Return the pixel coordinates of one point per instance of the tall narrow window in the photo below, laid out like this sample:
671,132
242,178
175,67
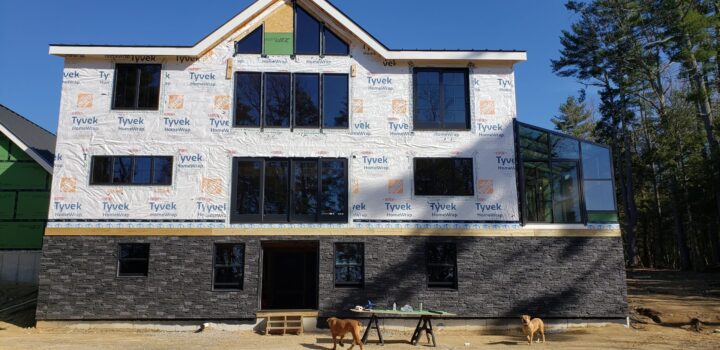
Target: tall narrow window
335,101
307,100
538,193
443,177
248,187
349,264
441,99
566,193
137,86
441,265
251,43
277,100
228,266
276,190
133,259
248,92
307,33
598,183
305,190
334,190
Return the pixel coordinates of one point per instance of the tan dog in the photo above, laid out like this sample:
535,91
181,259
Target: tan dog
339,327
531,326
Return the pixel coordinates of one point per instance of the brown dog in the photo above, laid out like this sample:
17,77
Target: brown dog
531,326
339,327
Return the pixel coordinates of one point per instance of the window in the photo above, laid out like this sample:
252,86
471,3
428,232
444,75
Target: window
313,37
598,183
441,265
133,259
228,266
247,98
349,264
131,170
335,101
137,86
289,190
251,43
441,99
307,100
553,181
279,100
443,177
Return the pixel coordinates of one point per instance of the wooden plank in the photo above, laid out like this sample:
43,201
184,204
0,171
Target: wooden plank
330,231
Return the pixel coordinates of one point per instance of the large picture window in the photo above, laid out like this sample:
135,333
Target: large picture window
564,180
349,264
228,266
441,265
289,190
131,170
443,176
284,100
313,38
137,86
441,99
133,259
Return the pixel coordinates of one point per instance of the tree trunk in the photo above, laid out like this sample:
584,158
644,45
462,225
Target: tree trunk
680,241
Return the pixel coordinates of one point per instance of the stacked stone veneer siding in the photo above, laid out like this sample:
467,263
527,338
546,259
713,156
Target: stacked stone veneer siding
497,277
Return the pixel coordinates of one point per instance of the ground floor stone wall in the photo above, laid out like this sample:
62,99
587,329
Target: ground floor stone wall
552,277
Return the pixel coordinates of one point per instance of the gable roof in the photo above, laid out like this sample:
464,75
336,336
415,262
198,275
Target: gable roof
37,142
222,32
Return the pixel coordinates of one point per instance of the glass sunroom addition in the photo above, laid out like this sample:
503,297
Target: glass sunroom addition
564,180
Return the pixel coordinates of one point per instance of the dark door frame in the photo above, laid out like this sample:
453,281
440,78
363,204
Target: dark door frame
270,243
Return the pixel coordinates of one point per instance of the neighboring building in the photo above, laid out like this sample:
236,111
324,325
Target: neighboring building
289,160
26,163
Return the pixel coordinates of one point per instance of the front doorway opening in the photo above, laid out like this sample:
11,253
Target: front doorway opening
289,275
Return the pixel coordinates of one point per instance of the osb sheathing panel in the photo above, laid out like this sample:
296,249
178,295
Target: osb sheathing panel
54,231
280,20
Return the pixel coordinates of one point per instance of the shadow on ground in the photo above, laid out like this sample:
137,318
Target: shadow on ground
17,304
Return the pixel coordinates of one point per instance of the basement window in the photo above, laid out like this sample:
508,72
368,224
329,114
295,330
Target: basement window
228,266
137,86
285,100
443,177
441,99
131,170
313,38
251,43
441,265
564,179
275,190
349,264
133,259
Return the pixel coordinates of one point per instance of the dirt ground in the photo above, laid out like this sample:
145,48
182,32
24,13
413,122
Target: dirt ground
669,310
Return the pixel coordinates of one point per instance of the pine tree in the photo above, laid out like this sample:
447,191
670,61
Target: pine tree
575,119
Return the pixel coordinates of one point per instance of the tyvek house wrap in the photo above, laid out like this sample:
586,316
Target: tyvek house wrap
194,125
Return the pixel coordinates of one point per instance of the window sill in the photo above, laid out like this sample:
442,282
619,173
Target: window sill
541,226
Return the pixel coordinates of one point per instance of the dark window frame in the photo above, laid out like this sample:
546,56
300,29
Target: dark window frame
468,113
472,162
360,284
290,216
261,28
292,126
441,285
137,88
520,173
152,182
119,274
321,36
215,265
291,100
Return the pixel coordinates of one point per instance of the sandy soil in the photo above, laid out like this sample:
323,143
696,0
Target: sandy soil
674,299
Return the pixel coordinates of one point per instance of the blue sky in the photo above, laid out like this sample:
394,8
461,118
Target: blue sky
30,79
